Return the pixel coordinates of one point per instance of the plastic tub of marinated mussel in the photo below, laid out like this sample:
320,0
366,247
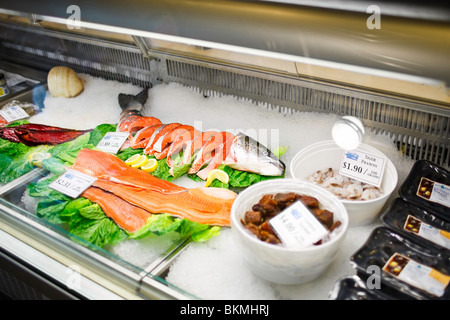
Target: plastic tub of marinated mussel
289,230
405,268
418,224
363,188
428,185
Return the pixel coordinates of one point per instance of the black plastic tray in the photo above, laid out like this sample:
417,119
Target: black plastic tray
381,245
426,169
354,288
397,213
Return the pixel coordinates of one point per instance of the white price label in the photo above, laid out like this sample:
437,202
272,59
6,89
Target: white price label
72,183
363,167
13,113
112,141
297,226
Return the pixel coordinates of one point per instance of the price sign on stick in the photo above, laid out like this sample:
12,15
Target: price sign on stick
297,226
112,141
13,113
72,183
363,166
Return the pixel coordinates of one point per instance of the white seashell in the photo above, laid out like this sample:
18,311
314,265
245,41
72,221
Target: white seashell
64,82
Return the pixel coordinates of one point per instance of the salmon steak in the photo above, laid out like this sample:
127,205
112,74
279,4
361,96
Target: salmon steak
203,151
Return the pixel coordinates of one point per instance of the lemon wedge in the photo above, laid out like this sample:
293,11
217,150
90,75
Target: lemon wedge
150,166
218,174
133,159
36,158
140,162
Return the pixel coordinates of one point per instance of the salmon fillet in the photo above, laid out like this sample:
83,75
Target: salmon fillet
129,217
106,166
210,206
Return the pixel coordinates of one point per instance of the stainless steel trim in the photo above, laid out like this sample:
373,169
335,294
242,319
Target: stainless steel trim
84,286
317,35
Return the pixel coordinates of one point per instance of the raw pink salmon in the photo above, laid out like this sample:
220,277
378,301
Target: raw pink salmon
142,137
214,144
125,123
107,166
179,143
160,132
168,137
129,217
210,206
220,155
195,145
140,123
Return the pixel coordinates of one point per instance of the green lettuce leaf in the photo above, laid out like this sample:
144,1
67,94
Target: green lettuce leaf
160,224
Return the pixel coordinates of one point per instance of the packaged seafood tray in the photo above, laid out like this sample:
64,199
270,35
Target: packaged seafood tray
355,288
405,268
428,185
416,223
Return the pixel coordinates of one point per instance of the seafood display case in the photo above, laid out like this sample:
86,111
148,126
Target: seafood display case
270,76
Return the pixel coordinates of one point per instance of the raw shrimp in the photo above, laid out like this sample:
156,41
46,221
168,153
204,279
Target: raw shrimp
344,187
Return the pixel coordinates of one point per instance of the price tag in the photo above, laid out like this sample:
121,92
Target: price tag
112,141
72,183
363,167
13,113
297,226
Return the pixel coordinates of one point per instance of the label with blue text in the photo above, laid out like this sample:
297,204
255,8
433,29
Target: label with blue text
362,166
297,226
112,141
72,183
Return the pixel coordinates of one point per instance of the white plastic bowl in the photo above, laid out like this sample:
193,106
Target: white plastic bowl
326,154
276,263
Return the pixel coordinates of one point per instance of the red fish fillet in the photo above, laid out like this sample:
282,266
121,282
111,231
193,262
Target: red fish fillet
207,151
127,216
160,132
203,205
37,134
107,166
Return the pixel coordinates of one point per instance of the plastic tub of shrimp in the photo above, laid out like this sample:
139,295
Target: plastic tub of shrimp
320,163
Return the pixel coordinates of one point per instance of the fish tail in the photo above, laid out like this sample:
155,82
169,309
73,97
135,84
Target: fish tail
126,99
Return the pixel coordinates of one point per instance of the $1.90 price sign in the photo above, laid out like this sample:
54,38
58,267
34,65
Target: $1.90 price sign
362,166
72,183
112,141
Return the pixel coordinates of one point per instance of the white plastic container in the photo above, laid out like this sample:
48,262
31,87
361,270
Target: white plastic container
326,154
276,263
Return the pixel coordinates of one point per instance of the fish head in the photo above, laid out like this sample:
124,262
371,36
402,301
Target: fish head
247,154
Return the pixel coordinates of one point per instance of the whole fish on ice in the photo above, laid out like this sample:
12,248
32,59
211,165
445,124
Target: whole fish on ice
247,154
207,150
